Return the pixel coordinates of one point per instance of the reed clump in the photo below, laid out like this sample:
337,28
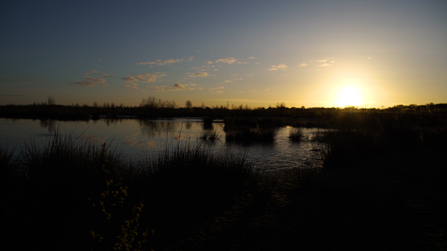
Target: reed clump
210,135
296,134
96,198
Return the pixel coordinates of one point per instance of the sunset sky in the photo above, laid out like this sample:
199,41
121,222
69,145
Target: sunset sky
259,53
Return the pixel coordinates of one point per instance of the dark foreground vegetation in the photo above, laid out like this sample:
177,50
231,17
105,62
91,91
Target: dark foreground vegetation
381,187
79,195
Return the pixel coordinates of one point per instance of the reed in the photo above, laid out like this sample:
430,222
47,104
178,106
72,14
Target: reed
87,189
210,135
296,134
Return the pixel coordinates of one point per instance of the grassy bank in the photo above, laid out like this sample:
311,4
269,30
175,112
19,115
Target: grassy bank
82,195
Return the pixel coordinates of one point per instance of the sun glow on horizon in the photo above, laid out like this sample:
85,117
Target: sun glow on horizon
349,96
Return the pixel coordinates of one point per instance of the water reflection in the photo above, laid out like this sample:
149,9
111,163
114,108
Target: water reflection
138,137
49,124
153,128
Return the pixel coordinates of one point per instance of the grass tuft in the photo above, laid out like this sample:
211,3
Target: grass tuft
295,134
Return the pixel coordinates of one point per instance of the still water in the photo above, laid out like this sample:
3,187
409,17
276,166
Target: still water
137,139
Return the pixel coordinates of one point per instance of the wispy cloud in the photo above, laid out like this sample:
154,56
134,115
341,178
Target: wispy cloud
132,85
97,73
279,66
91,82
159,62
144,78
303,65
190,59
158,88
91,72
232,79
176,87
251,58
215,90
195,75
229,60
325,62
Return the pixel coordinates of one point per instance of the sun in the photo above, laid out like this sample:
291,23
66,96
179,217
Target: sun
349,96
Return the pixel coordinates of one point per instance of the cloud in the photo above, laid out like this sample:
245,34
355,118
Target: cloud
144,78
210,62
214,69
279,66
158,88
321,61
91,82
132,85
178,87
251,58
303,65
324,65
101,74
200,74
91,72
216,88
190,58
232,79
159,62
229,60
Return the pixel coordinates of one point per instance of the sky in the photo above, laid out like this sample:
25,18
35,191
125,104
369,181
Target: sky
256,53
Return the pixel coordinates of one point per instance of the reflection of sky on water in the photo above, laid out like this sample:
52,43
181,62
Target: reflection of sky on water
137,138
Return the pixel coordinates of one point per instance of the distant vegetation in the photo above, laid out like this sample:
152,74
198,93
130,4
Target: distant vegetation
152,108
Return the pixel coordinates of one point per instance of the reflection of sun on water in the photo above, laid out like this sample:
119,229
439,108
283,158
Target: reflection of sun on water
349,96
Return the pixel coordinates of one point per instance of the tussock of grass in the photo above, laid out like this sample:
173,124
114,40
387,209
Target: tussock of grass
62,183
295,134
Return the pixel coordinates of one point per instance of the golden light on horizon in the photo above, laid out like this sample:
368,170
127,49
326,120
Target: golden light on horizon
349,96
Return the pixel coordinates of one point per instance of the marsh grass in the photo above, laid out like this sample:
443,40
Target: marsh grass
296,134
210,135
62,183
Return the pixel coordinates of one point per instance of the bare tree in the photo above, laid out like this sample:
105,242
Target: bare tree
188,104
